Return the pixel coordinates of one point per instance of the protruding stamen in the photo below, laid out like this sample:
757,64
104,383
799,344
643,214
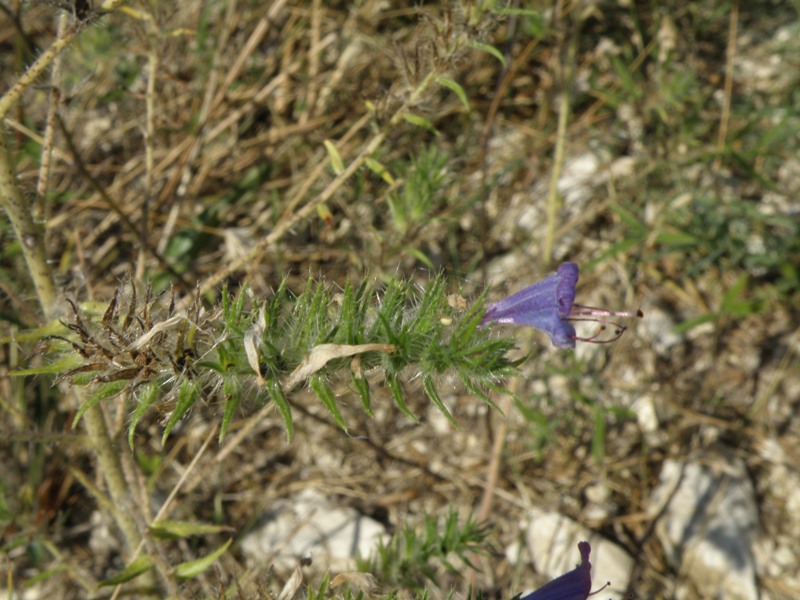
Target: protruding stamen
599,315
608,584
619,329
592,311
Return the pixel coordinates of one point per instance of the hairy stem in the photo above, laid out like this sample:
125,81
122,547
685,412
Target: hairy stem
30,237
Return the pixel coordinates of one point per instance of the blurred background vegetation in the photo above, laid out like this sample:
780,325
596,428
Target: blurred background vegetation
236,142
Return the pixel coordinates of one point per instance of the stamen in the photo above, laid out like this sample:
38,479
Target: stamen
619,329
608,584
599,315
592,311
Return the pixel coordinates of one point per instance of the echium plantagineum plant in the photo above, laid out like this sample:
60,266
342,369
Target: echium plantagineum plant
549,305
263,349
163,361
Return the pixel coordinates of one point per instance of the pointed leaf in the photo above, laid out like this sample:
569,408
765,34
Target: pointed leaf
187,396
62,365
232,391
278,397
362,388
326,395
174,530
324,213
421,257
133,570
397,394
420,122
433,396
633,222
104,391
145,398
381,171
456,87
488,49
336,158
34,335
193,568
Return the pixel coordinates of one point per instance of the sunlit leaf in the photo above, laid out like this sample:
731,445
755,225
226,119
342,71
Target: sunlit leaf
456,87
488,49
133,570
336,159
193,568
173,530
420,122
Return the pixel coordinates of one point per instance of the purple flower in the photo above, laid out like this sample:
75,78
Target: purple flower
575,585
549,305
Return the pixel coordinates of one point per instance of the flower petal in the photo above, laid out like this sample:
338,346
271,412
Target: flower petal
542,305
565,290
575,585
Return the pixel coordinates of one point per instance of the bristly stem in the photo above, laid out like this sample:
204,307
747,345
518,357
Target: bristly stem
31,238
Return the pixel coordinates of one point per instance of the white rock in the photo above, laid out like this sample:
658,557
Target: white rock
660,328
709,525
310,525
552,541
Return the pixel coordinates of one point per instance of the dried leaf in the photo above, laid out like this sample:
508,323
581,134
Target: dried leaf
322,354
292,585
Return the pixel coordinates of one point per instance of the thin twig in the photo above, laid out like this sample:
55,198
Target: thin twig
287,222
313,61
153,60
564,107
730,55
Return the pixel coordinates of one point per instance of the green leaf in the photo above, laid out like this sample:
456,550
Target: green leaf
145,397
34,335
694,322
233,393
62,365
488,49
279,398
676,239
625,78
362,388
599,435
325,394
433,395
133,570
397,394
104,391
381,171
336,159
174,530
193,568
632,221
734,303
187,396
420,122
420,256
456,87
